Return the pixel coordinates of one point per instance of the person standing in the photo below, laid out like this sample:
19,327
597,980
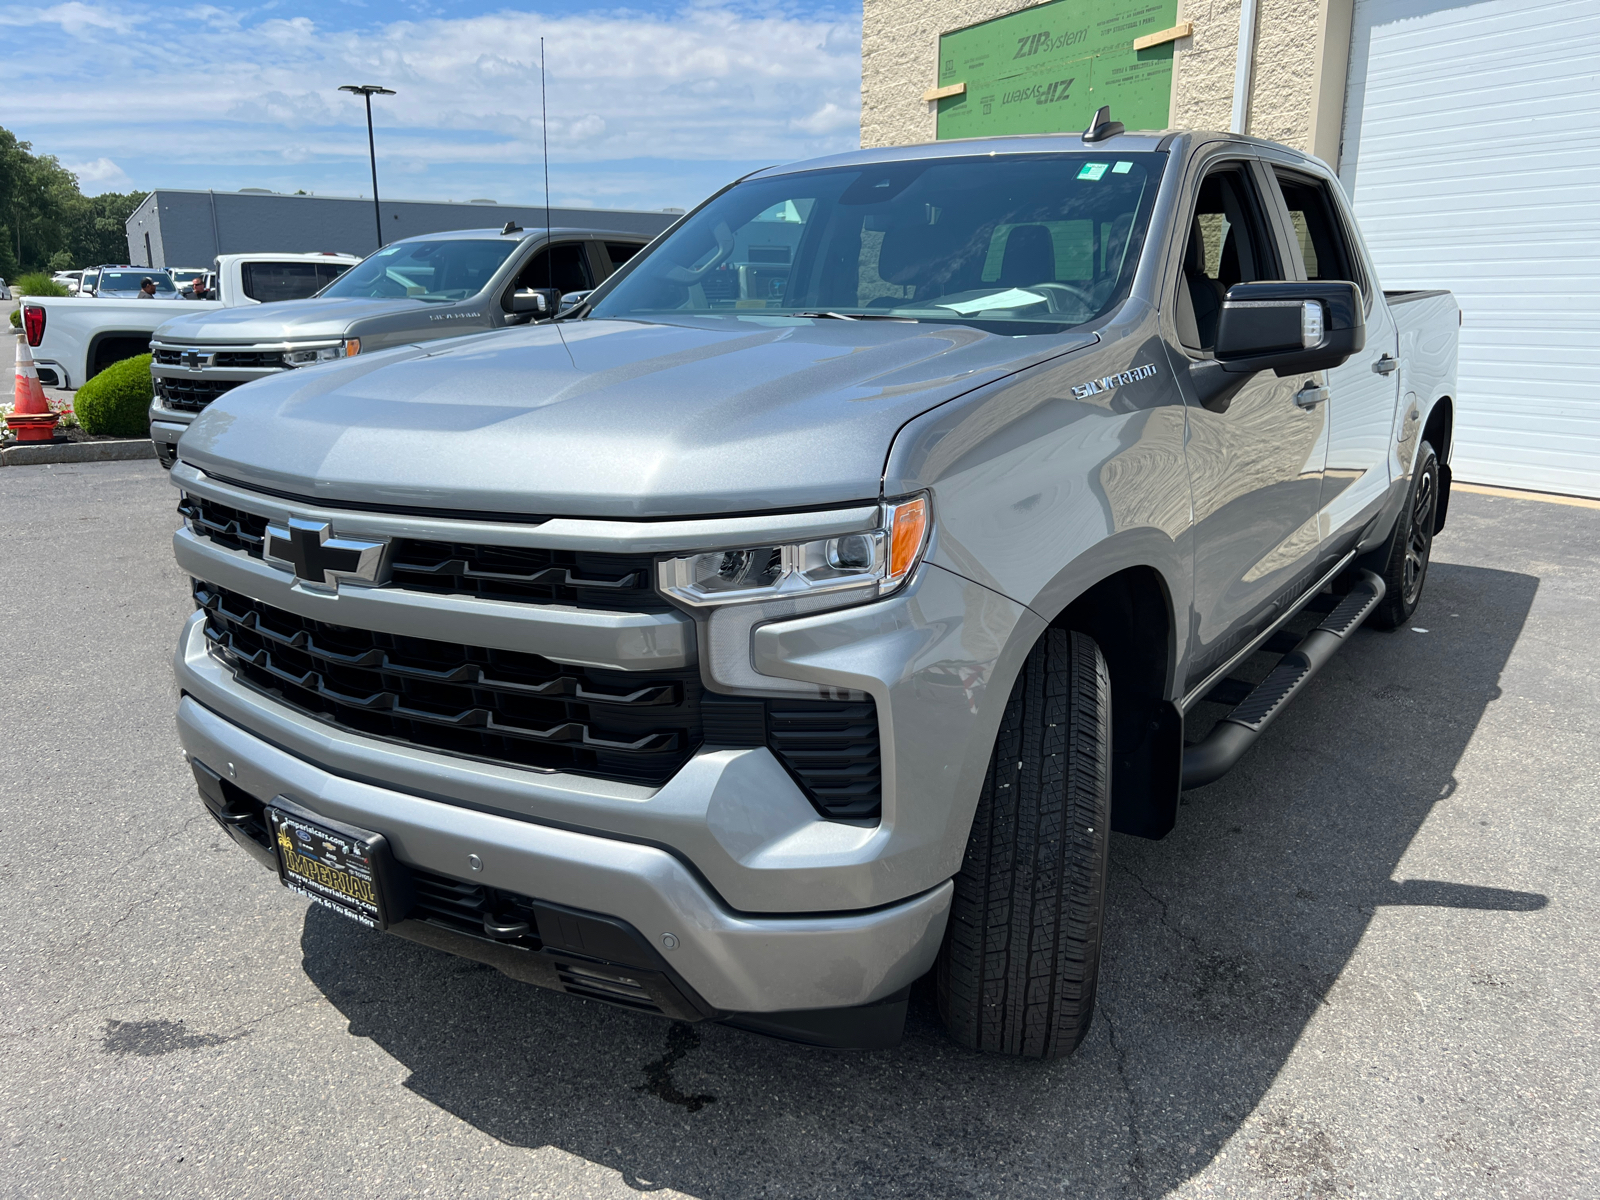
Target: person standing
147,289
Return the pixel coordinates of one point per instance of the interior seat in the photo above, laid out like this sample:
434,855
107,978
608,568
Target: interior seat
1203,293
1030,257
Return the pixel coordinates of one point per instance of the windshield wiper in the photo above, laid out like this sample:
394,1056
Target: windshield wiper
838,316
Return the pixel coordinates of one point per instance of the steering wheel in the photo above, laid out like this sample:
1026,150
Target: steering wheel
688,276
1053,299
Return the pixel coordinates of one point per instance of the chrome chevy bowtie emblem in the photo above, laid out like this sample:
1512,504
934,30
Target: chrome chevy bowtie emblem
309,549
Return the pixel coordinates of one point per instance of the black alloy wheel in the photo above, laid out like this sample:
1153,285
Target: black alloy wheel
1411,545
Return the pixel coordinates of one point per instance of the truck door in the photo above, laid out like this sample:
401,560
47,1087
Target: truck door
1362,392
1255,460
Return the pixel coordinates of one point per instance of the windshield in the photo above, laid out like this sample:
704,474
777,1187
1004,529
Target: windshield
184,277
1032,243
434,271
130,281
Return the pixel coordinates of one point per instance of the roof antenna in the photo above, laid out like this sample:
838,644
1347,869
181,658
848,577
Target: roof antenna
1102,127
512,227
544,134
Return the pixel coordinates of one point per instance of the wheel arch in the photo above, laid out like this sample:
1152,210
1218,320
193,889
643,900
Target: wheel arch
105,338
1127,592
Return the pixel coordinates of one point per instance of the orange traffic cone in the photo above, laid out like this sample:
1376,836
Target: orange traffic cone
31,418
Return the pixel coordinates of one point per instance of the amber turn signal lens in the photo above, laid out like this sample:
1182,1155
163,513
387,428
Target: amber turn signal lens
908,530
352,347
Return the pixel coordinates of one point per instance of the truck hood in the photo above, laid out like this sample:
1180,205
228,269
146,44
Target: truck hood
285,320
607,418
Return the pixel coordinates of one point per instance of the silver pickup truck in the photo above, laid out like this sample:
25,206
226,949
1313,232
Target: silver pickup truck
438,285
803,612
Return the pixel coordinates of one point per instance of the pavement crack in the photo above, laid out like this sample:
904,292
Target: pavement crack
1165,913
1136,1165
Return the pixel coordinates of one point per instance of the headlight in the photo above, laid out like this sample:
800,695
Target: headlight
321,354
873,563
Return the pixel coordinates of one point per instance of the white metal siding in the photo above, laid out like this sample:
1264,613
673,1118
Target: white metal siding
1472,154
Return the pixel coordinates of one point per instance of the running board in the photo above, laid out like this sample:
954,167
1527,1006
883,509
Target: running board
1207,761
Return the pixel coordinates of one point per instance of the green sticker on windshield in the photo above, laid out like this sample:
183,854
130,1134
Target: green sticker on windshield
1093,170
1122,168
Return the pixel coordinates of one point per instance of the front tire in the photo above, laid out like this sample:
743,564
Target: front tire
1021,955
1411,546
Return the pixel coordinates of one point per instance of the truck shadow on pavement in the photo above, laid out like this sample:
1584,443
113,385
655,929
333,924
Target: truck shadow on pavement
1223,941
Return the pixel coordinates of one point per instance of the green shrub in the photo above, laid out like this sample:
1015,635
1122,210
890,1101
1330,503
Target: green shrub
16,318
37,283
117,401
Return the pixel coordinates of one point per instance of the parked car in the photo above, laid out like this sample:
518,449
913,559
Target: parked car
125,283
421,289
5,291
69,280
183,277
801,612
78,338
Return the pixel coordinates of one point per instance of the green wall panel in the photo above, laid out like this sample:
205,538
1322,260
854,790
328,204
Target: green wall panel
1047,69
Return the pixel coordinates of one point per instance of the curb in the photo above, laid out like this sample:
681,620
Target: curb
78,452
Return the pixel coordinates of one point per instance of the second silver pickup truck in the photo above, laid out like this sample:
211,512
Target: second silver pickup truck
803,612
438,285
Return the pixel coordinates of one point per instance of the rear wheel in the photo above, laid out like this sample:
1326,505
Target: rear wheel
1021,954
1411,546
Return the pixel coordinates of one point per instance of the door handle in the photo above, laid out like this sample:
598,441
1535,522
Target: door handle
1387,365
1311,395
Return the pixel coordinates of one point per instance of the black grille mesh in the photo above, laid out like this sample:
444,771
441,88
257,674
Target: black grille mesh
191,395
494,704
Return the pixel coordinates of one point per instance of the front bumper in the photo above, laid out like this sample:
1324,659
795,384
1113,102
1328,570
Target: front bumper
734,962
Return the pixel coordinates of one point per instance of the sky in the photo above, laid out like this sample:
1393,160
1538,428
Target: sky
651,104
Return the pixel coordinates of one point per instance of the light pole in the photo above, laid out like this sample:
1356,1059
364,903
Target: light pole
367,91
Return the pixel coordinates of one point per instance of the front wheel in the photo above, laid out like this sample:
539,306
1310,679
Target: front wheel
1021,955
1411,546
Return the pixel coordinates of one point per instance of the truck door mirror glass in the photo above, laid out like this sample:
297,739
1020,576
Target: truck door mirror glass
573,299
1289,327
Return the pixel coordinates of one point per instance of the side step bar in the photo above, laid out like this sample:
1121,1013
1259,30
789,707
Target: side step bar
1208,761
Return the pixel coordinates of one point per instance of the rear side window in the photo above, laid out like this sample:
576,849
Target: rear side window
271,281
1319,233
621,252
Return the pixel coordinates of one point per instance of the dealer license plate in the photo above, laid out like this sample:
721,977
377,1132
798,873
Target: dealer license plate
334,865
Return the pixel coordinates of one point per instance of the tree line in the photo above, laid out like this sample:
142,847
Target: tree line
47,224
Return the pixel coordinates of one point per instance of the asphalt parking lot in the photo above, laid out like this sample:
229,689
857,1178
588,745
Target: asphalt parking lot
1363,965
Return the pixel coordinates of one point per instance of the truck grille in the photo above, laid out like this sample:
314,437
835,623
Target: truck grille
494,704
261,360
615,582
191,395
524,710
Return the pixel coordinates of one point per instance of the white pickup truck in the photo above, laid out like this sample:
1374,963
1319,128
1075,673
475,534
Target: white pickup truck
74,339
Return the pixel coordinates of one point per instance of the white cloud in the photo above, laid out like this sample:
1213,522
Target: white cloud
710,82
73,18
101,175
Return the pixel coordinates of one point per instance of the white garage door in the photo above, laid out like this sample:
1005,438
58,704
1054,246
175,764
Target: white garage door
1472,152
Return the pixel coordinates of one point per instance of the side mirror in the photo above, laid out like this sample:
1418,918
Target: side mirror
536,302
1289,328
573,299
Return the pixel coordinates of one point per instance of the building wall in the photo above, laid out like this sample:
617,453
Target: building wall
189,229
1297,91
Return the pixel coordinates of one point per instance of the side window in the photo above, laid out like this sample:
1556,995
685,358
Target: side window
621,252
1227,244
272,281
1324,248
564,266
